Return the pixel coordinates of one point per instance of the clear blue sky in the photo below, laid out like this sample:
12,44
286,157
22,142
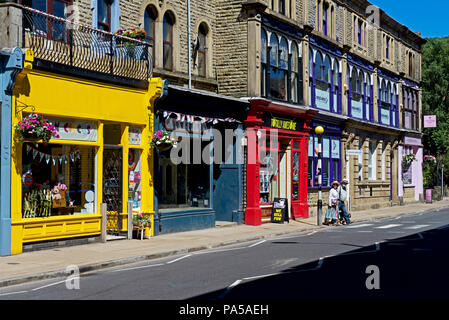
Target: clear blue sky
428,17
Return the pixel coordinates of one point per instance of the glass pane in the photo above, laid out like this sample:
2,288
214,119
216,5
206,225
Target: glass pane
318,67
263,48
325,165
294,87
57,180
59,9
327,69
335,167
268,178
103,11
40,5
274,50
112,134
134,178
294,60
309,173
167,57
168,29
335,151
325,147
201,63
278,84
283,63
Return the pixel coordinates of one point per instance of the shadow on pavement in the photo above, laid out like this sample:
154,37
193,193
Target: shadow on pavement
412,267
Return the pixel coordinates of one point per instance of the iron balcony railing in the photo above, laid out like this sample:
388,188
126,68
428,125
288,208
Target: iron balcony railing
61,41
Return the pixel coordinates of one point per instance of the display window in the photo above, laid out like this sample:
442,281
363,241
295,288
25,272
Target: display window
184,185
330,162
134,178
58,179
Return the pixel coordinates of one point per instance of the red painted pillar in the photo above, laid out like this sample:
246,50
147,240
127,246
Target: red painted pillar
253,213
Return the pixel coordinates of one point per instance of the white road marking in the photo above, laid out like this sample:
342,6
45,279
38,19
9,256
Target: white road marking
183,257
141,267
388,226
11,293
360,225
53,284
418,226
255,244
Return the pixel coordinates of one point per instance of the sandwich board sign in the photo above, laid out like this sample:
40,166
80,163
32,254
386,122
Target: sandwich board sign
279,213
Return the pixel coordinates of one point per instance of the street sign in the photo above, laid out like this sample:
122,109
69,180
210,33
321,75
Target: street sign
353,152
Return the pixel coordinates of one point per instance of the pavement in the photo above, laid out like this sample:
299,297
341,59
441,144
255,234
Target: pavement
51,263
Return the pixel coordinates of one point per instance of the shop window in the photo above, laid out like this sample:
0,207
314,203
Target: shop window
269,178
134,178
184,185
58,180
330,160
407,168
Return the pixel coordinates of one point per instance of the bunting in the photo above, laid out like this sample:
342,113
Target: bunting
36,154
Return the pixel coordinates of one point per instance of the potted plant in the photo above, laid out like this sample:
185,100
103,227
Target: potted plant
141,221
163,141
35,126
132,33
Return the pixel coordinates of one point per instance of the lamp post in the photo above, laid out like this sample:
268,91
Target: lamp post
319,131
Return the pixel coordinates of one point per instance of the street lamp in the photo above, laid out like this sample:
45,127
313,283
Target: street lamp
319,131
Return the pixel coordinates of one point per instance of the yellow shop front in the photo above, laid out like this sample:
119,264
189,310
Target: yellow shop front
101,154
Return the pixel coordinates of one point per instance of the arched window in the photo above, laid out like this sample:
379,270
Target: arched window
325,18
149,21
168,24
281,67
359,105
388,103
202,47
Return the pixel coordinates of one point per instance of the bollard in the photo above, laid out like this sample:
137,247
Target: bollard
104,222
130,220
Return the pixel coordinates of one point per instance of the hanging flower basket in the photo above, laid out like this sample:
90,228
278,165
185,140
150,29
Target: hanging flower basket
431,159
409,158
35,127
163,141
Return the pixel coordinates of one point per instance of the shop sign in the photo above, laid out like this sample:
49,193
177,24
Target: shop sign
75,129
279,122
322,98
430,121
412,141
134,135
354,152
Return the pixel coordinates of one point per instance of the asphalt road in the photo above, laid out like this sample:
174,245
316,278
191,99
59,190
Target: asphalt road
399,258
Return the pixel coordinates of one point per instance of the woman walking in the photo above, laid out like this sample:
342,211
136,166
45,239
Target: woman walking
331,214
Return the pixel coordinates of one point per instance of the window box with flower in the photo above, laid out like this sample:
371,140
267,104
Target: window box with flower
129,44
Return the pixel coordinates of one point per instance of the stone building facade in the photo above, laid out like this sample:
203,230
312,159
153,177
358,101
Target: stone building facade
348,60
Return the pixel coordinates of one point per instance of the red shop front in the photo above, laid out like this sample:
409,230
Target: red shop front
276,166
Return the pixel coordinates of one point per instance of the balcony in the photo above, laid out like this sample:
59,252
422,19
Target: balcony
60,45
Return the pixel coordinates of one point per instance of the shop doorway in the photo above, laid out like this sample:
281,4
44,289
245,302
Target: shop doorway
285,170
113,187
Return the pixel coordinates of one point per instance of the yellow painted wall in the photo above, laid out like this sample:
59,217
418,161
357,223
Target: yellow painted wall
64,96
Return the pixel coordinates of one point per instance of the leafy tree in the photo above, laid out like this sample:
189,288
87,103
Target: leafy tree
435,97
